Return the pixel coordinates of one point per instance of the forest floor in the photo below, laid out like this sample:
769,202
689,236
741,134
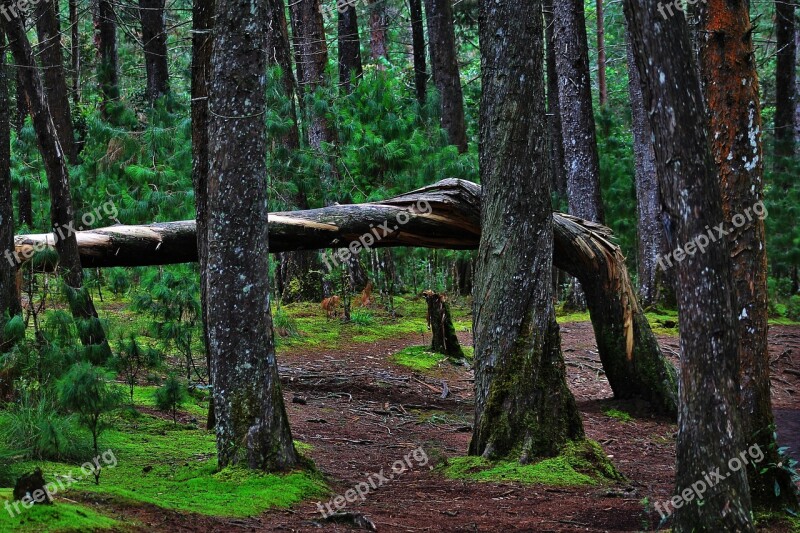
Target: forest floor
358,411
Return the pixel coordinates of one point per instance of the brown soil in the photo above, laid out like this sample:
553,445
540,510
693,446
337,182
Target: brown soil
361,413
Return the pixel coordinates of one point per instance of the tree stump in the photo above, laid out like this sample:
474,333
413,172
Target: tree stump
32,485
442,328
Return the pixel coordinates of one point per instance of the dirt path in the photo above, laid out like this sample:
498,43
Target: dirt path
361,413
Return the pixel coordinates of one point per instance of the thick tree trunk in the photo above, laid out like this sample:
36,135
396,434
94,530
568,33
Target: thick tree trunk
48,29
443,332
602,87
349,47
444,64
105,23
582,248
61,213
154,39
558,169
75,50
785,83
418,44
652,240
377,31
523,407
9,304
709,421
730,80
202,27
577,116
252,426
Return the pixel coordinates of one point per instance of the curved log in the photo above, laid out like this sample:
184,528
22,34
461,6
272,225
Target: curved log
443,215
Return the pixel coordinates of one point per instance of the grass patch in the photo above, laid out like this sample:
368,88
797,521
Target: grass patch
622,416
581,463
418,358
563,318
59,517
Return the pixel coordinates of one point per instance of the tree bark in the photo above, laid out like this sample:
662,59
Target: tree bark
709,421
252,426
577,116
730,80
25,205
785,84
444,65
584,249
202,27
558,168
9,304
602,87
154,38
652,240
105,23
75,50
523,406
377,31
279,53
418,44
349,47
61,213
48,29
443,332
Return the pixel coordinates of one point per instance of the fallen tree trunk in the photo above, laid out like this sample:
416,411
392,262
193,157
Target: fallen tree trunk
443,215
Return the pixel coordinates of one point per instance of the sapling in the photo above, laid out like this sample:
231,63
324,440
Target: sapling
170,396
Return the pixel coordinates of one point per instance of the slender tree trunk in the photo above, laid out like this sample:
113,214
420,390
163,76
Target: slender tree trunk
652,240
25,205
785,83
106,42
444,64
418,43
75,48
9,304
709,421
154,38
601,56
202,27
280,54
522,403
61,213
22,103
48,29
349,47
252,426
377,31
558,169
730,80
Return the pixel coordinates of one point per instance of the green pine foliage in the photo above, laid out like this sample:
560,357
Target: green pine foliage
171,396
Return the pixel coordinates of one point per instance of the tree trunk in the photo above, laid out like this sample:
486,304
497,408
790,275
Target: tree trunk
22,104
785,84
202,27
730,80
523,407
709,422
252,426
444,340
48,29
25,204
602,87
75,50
577,116
279,53
9,304
444,64
418,43
377,31
61,213
652,240
154,38
558,169
349,47
105,23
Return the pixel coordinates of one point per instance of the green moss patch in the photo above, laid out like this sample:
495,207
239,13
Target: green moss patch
61,517
622,416
418,358
581,463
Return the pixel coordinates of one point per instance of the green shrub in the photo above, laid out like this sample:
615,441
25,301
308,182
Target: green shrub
170,396
793,309
34,428
285,325
361,317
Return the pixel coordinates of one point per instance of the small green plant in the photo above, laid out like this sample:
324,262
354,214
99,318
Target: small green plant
35,429
132,359
285,325
85,390
793,308
622,416
362,317
170,396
